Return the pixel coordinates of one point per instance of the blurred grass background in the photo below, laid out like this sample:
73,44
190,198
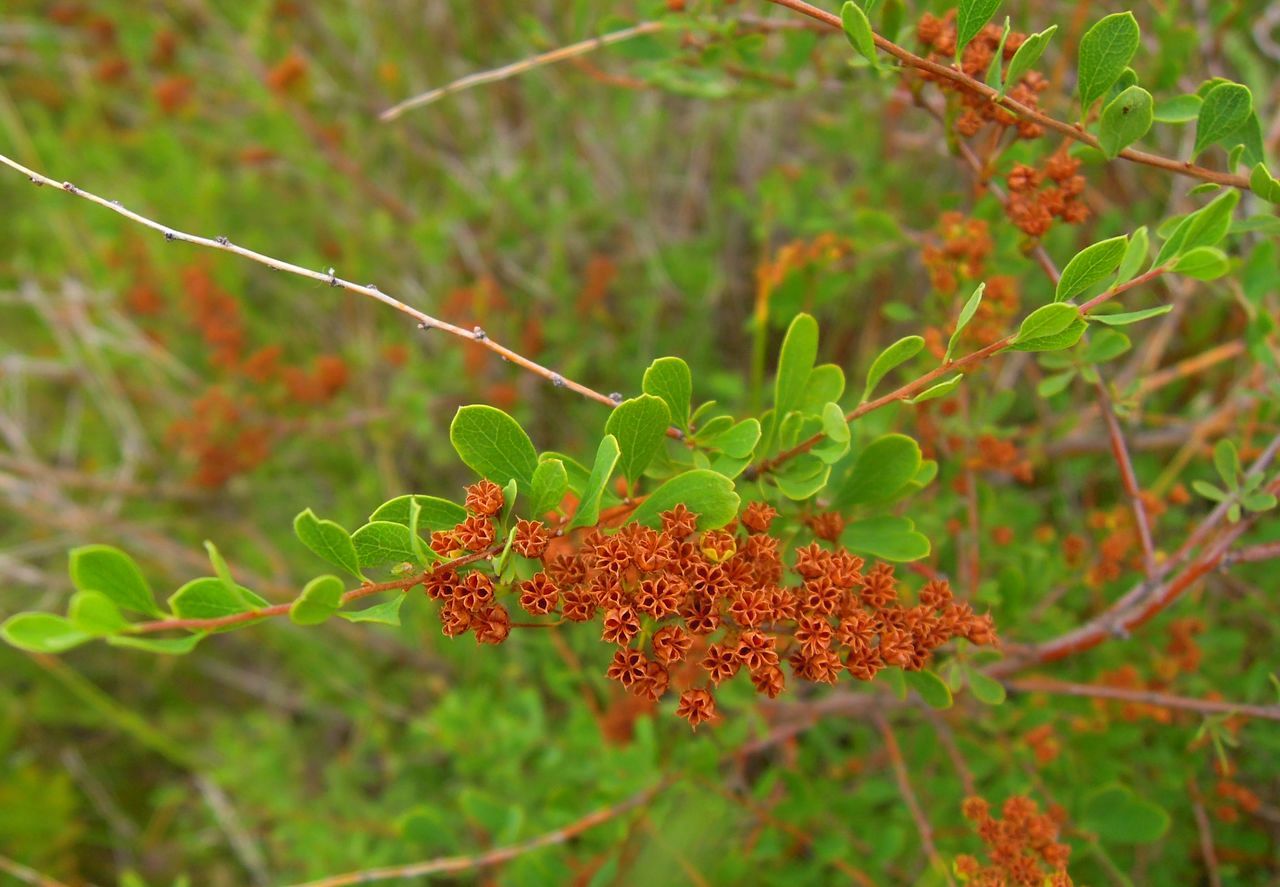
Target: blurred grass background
592,215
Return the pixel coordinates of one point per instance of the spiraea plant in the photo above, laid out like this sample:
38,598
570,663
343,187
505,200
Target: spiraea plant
820,531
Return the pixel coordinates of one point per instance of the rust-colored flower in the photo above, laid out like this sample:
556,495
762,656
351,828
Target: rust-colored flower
475,590
696,706
758,517
670,644
476,533
620,626
679,522
627,667
484,498
440,584
539,595
721,662
492,624
531,539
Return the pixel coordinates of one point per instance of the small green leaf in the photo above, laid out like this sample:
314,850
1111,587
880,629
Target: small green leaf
803,477
826,383
986,690
1115,813
795,364
1227,461
329,540
550,483
1135,255
434,513
42,633
858,29
1264,184
996,68
1259,501
966,314
738,441
1225,109
1105,51
383,543
220,567
1203,263
1209,491
1204,227
493,445
707,494
971,17
1089,266
881,470
109,570
386,613
932,689
888,538
669,379
889,359
1056,342
1179,109
208,598
165,646
320,599
589,506
1129,317
94,613
835,430
1125,119
1047,320
1106,345
1027,55
942,389
1056,384
640,427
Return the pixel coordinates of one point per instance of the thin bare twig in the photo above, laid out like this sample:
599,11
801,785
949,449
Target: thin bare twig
1206,835
27,875
425,321
1121,453
1145,697
909,795
573,50
1071,131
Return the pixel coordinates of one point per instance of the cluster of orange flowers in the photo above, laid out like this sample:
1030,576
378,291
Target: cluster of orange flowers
962,254
1037,196
700,607
938,35
1021,845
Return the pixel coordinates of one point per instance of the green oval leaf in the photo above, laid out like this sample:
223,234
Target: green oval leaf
588,512
890,359
881,470
493,445
1129,317
795,364
1125,119
550,483
1047,320
706,493
932,689
966,314
669,379
1027,55
1204,227
94,613
42,633
1057,342
209,598
858,29
329,540
1203,263
971,17
320,599
385,613
1090,265
164,646
1179,109
1225,109
640,427
888,538
1105,51
434,513
383,543
109,570
1119,816
985,689
942,389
